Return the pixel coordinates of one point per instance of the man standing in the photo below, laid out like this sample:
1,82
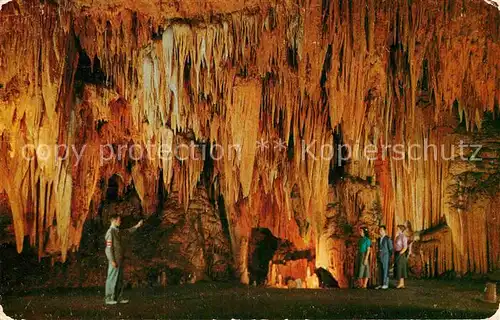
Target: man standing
114,253
385,249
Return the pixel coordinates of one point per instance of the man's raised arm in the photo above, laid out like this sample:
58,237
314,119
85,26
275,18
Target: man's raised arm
137,226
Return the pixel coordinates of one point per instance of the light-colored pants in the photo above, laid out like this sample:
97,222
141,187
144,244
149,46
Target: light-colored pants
363,269
383,264
114,283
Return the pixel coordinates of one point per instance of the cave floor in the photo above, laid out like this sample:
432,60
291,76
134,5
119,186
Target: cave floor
421,299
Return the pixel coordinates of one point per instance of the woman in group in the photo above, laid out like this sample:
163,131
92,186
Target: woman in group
410,235
363,262
400,256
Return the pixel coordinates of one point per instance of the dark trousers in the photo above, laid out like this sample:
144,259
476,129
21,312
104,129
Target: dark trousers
400,266
114,283
383,267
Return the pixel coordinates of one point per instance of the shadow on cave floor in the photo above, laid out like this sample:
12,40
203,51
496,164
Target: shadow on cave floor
421,299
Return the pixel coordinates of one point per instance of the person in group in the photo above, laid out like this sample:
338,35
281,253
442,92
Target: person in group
410,236
400,256
384,256
114,253
363,262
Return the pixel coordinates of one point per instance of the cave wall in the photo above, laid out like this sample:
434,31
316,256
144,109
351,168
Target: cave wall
174,247
294,74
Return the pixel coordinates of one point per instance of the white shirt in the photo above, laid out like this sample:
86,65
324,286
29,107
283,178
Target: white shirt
382,237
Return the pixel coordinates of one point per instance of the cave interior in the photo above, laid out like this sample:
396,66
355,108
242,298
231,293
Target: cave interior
238,130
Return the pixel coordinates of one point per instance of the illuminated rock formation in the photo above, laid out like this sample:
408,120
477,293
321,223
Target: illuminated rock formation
276,87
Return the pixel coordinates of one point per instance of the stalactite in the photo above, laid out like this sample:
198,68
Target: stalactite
33,109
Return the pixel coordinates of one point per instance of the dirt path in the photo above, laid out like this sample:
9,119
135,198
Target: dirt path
422,299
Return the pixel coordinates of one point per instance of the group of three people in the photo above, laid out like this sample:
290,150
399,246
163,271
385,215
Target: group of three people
385,249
